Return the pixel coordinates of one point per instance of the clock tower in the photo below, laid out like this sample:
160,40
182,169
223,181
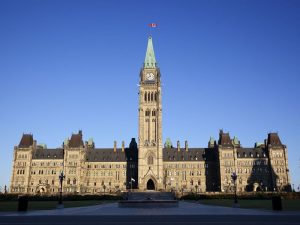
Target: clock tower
150,163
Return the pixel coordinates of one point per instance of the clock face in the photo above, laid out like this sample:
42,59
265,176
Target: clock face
150,76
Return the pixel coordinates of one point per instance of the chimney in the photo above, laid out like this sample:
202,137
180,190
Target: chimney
123,146
186,146
178,146
115,146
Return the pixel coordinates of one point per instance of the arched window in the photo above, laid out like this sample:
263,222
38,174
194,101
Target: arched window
68,181
150,160
74,181
145,97
151,96
148,96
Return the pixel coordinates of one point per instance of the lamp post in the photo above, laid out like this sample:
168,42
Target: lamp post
234,177
61,178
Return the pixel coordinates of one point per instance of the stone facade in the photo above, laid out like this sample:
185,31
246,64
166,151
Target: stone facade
147,163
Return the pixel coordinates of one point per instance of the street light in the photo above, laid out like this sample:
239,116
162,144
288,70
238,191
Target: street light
61,178
234,177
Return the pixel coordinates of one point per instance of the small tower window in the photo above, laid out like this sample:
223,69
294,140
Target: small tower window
145,96
150,160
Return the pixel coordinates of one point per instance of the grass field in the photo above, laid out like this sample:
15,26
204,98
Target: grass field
287,205
40,205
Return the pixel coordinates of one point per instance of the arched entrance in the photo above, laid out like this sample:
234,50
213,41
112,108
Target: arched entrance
150,185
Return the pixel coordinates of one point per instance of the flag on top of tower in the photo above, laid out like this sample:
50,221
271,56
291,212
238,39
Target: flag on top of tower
152,25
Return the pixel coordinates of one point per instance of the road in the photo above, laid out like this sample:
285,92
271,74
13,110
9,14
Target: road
149,220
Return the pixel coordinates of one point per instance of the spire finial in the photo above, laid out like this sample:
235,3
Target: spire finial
150,61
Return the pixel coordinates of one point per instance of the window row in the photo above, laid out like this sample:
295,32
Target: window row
178,173
150,96
252,163
47,164
253,170
256,155
148,113
106,166
22,156
104,173
189,158
41,172
183,166
21,172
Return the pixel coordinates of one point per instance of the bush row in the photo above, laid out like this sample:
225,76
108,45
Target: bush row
14,197
253,196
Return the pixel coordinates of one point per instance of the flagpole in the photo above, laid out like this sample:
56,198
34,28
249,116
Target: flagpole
151,25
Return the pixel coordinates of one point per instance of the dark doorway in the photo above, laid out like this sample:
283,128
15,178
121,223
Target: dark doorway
150,185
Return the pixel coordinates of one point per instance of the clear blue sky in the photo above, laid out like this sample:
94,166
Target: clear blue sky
70,65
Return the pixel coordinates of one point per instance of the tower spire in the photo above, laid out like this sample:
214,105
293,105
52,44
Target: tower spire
150,61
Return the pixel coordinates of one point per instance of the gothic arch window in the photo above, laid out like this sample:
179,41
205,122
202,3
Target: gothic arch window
150,160
145,96
151,96
74,181
148,96
68,182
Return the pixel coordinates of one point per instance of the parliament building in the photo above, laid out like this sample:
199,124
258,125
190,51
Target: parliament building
147,163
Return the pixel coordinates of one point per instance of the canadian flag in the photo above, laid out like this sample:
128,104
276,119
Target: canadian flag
152,25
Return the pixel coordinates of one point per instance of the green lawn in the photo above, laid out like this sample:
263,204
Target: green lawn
40,205
288,205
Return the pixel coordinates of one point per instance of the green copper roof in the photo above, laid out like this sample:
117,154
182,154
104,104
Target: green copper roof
236,140
211,140
150,61
168,143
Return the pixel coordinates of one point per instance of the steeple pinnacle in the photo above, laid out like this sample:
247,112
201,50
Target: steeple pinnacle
150,61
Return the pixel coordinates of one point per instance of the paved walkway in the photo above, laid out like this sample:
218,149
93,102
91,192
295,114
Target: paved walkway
185,208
